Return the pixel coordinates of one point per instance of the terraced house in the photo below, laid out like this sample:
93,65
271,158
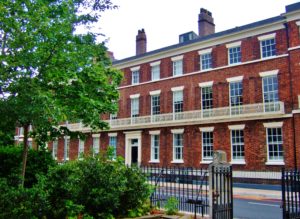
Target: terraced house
236,91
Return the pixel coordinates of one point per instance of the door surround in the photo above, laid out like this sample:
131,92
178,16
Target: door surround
133,135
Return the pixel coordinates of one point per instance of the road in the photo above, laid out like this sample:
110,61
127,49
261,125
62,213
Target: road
256,209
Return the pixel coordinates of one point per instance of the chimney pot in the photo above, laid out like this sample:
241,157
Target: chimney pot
206,24
141,42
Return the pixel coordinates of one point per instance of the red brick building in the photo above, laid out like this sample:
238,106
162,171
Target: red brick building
236,91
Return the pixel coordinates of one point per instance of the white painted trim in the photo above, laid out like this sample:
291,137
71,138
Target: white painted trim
293,48
255,31
274,163
137,68
238,162
298,23
266,37
156,132
207,129
207,70
236,127
269,73
155,63
273,125
177,131
177,88
133,96
235,79
205,51
296,111
206,84
206,161
128,146
177,58
114,134
153,161
155,92
133,133
235,44
177,161
66,137
96,135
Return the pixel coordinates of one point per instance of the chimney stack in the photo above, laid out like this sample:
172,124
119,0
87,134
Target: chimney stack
206,24
141,42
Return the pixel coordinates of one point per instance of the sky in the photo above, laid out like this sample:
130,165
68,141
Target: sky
165,20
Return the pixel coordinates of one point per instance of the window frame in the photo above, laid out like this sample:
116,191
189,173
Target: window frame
96,143
113,142
80,147
54,149
178,146
155,109
265,38
206,61
177,104
155,147
271,104
155,70
177,66
135,107
205,144
239,142
135,77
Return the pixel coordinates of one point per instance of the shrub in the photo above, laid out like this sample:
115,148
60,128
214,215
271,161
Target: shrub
171,206
38,162
98,187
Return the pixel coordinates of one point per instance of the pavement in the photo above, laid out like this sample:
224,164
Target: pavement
256,194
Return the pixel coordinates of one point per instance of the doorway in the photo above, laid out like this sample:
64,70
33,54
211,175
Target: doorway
134,151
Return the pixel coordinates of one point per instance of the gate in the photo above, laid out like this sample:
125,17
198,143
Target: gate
221,192
291,194
188,185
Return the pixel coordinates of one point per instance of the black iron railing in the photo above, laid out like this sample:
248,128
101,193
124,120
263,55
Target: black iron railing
188,185
291,194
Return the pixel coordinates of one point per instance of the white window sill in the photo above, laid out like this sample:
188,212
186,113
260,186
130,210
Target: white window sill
206,161
153,161
177,161
279,163
268,57
240,162
205,70
233,64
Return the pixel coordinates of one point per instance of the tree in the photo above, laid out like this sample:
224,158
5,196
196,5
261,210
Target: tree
50,74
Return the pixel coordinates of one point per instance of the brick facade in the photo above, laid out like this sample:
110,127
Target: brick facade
258,152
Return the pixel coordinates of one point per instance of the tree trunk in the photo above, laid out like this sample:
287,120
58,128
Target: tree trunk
25,153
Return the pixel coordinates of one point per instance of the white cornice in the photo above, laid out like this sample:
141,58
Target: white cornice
273,125
207,129
177,131
266,37
134,96
235,44
205,51
156,132
155,92
203,44
236,127
155,63
137,68
206,84
177,88
235,79
269,73
177,58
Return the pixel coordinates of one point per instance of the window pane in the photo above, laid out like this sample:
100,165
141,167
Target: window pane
234,55
207,145
206,61
268,48
275,144
237,144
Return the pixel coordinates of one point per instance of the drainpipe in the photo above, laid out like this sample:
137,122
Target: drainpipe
291,92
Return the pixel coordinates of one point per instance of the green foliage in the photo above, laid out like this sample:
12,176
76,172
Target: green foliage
48,72
18,202
171,206
10,164
104,188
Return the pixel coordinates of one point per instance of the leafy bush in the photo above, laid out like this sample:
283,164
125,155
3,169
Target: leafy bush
97,187
38,162
171,206
18,202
